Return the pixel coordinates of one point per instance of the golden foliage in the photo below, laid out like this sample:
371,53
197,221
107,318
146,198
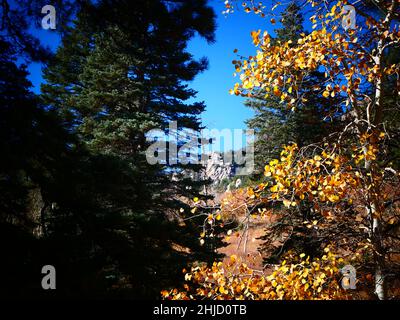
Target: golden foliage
282,68
327,176
302,278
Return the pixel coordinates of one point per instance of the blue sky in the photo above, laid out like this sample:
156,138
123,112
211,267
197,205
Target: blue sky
233,32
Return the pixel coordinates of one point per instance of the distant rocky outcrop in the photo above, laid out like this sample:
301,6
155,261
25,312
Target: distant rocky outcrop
217,169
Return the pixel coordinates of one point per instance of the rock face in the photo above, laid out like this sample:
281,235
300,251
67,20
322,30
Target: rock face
216,169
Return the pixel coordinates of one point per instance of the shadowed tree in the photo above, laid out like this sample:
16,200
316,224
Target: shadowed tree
112,80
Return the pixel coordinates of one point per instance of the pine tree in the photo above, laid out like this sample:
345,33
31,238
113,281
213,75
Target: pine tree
114,79
19,21
34,148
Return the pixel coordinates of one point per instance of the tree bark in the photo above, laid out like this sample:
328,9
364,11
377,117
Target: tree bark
375,216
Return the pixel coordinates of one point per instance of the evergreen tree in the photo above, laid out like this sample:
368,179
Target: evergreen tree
34,148
113,79
20,19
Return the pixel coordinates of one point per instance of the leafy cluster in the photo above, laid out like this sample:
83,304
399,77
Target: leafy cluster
340,188
296,278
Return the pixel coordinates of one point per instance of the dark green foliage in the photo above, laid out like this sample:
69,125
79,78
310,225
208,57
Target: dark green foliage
113,80
18,18
76,190
34,147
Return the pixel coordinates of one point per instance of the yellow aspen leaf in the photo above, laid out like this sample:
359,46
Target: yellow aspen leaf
274,188
273,162
333,10
267,171
276,91
255,36
333,198
188,276
286,203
